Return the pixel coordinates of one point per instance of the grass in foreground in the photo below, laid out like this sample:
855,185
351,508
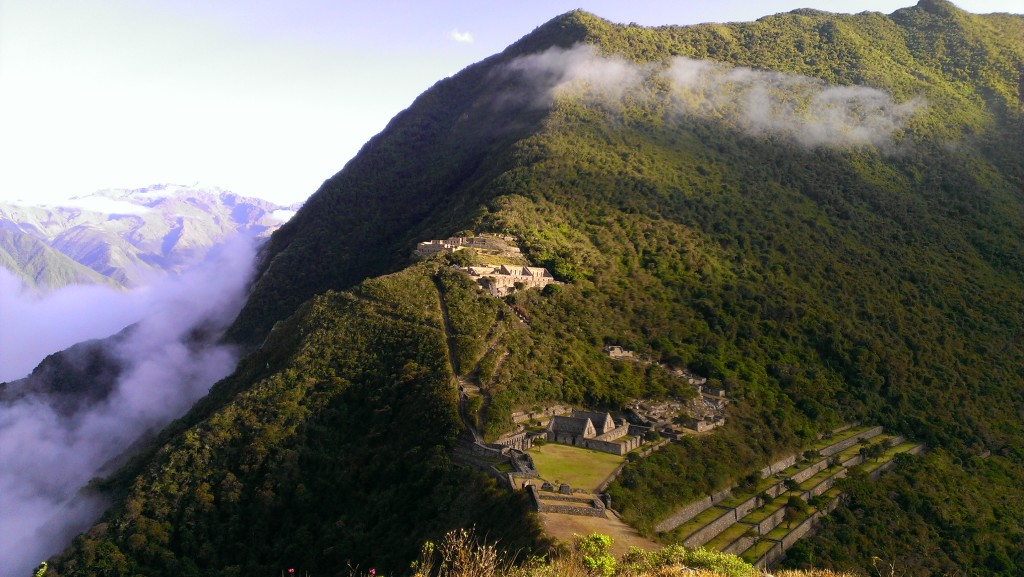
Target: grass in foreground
460,554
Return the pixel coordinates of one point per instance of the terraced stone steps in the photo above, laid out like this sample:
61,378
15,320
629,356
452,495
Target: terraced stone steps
751,522
773,545
684,522
769,548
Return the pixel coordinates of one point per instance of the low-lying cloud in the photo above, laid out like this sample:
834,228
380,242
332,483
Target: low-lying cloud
46,457
579,68
758,102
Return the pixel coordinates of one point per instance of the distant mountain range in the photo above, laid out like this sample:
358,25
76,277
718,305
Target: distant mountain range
119,237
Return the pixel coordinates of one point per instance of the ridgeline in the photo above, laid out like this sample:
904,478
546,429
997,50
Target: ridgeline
821,213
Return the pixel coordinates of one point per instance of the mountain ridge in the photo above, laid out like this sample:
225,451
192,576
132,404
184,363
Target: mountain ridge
128,235
817,284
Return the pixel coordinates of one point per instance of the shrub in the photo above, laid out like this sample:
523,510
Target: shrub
593,551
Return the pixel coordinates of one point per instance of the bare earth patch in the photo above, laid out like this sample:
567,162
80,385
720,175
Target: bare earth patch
562,527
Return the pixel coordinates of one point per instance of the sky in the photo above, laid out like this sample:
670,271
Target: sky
264,98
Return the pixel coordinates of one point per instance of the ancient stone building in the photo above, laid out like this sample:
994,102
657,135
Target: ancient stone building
592,430
502,280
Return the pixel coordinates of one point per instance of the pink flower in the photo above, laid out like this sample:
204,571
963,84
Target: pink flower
373,571
291,570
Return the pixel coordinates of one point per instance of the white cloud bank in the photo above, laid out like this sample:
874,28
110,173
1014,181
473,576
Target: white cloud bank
759,102
45,458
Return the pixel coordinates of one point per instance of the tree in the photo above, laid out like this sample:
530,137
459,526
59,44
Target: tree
795,506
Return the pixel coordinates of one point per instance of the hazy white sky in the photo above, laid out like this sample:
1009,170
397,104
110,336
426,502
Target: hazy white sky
265,98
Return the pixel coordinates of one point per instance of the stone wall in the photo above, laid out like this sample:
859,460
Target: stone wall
739,545
845,427
590,507
523,463
613,447
826,484
638,430
654,447
616,433
878,472
891,464
780,465
519,440
799,531
847,443
571,510
709,531
608,481
488,451
770,557
776,489
771,521
834,503
740,511
810,471
720,496
683,515
556,410
853,461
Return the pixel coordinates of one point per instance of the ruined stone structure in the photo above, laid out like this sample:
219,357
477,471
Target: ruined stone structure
430,247
617,352
502,280
705,424
520,417
546,500
485,242
591,430
521,439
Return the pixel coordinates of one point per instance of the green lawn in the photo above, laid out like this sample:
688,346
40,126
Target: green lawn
581,468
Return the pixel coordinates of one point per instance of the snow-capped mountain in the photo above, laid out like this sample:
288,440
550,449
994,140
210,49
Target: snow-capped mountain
126,235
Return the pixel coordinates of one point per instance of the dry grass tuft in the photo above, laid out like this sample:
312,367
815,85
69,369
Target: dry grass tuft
462,554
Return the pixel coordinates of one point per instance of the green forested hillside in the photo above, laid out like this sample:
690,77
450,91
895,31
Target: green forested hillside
827,221
337,452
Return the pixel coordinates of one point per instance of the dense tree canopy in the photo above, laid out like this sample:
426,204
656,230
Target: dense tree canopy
873,278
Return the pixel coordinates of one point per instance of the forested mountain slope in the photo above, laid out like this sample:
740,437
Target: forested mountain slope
821,212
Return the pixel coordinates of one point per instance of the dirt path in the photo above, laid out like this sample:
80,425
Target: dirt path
461,382
449,337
